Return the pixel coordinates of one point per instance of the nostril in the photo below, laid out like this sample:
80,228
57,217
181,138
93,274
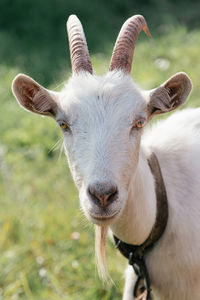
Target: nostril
113,196
92,193
102,194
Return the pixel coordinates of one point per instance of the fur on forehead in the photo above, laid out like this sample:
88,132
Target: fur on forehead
114,87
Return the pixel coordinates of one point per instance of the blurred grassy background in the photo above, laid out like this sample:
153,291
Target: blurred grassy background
46,245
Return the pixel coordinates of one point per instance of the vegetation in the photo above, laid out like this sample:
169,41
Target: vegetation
46,245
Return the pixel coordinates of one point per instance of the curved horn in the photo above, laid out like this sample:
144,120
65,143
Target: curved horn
80,58
124,47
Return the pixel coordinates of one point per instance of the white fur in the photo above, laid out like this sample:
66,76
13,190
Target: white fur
130,281
101,111
104,146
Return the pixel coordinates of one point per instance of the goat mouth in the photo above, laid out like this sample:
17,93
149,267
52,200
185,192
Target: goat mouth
103,217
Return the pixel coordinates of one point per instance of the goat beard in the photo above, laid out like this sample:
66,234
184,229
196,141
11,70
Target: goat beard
100,251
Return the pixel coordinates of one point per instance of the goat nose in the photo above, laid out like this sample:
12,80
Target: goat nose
103,194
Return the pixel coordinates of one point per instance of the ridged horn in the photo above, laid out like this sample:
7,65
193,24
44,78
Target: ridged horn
79,53
124,47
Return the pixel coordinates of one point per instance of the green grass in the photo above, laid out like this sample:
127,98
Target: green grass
40,257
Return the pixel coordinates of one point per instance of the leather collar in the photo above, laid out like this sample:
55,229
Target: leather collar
136,253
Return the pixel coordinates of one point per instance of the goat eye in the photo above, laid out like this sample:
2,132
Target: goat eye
64,126
139,123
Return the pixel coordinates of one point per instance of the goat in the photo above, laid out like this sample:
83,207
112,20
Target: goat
102,120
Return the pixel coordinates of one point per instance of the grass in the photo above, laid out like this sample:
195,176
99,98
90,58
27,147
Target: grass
46,244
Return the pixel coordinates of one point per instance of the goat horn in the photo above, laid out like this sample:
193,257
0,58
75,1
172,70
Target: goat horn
124,47
80,58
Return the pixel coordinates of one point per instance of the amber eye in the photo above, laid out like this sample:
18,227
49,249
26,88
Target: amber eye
64,126
139,123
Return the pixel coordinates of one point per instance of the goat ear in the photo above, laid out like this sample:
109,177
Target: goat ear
170,95
33,97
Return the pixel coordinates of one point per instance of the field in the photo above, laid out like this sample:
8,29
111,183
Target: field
46,244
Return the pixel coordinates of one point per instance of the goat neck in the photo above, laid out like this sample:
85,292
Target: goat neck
138,217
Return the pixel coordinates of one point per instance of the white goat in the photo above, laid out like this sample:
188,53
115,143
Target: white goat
102,120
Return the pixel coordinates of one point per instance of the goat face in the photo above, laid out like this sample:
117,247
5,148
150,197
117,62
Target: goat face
102,118
101,139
